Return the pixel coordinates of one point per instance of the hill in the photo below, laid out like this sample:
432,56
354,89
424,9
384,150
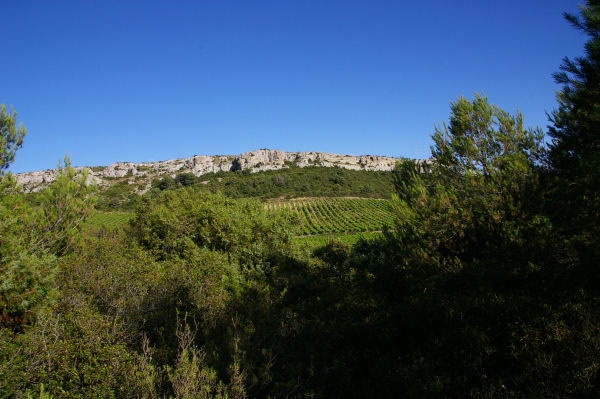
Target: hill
142,174
289,182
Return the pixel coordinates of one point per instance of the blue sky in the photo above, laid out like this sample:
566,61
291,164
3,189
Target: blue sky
108,81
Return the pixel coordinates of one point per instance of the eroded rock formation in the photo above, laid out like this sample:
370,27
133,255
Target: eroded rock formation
255,161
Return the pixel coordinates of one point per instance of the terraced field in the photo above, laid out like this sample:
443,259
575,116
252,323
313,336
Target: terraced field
337,215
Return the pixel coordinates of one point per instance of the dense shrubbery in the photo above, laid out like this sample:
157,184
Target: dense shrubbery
32,238
483,288
474,294
291,182
166,290
120,196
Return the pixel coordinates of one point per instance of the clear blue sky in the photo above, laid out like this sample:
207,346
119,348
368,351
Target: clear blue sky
108,81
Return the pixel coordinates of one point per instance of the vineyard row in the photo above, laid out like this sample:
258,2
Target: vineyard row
338,215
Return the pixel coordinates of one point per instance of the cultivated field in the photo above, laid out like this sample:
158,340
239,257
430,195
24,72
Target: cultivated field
321,219
109,219
337,215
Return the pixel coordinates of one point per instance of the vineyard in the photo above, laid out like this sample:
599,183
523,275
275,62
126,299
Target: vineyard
337,215
316,216
109,219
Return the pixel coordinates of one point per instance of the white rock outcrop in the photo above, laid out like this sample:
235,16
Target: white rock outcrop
254,161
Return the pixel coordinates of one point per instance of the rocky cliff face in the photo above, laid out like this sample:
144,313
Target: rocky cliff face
255,161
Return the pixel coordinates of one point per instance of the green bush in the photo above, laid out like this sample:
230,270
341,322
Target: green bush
176,222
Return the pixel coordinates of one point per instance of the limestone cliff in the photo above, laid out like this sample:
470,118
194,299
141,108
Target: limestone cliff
253,161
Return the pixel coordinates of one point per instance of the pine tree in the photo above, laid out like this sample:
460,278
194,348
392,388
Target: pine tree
574,154
11,137
477,194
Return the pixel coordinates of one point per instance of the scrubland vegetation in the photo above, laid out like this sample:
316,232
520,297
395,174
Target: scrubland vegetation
291,182
485,285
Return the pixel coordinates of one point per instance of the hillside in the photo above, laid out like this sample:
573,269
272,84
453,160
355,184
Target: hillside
290,182
142,174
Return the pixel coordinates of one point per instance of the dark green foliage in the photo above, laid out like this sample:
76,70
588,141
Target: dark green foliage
574,156
27,286
480,189
75,353
185,179
120,196
472,295
125,310
32,238
177,221
64,207
316,241
291,182
575,148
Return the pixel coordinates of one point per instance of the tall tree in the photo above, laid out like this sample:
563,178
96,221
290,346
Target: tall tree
574,154
475,195
11,137
32,238
480,290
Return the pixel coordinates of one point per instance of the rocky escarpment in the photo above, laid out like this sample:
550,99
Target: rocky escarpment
254,161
